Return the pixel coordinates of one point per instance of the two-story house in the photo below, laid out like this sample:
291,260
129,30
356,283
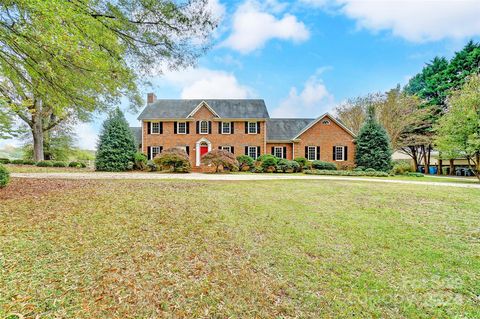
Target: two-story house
241,127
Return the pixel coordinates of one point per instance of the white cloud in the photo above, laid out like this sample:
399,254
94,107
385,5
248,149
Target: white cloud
253,26
313,100
206,83
414,20
216,9
87,136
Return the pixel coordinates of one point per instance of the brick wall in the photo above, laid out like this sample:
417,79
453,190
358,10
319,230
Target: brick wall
288,148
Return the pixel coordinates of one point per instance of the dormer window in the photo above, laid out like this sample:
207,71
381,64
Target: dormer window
203,127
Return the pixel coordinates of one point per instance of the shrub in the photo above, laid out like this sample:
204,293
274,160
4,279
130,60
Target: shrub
221,158
258,169
4,176
401,168
29,162
369,170
324,165
245,162
152,166
174,159
116,146
268,162
17,162
140,161
302,161
347,173
44,164
59,164
286,166
359,169
74,164
4,161
345,166
414,174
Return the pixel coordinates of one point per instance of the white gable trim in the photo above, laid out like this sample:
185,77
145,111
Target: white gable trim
203,103
318,120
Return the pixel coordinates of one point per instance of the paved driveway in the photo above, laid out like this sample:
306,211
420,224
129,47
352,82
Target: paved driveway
229,177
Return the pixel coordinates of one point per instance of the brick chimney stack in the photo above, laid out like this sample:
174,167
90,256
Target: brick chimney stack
151,98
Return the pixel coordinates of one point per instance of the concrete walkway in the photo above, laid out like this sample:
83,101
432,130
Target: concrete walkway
230,177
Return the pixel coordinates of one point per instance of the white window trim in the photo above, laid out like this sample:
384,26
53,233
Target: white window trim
178,128
255,148
308,153
200,127
256,126
343,153
151,151
275,148
226,148
151,127
229,127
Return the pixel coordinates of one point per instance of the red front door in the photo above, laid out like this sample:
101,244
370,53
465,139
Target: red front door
203,150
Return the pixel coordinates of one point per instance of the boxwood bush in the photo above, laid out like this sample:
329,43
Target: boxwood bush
17,162
4,161
4,176
245,162
267,162
44,164
59,164
286,166
347,173
324,165
29,162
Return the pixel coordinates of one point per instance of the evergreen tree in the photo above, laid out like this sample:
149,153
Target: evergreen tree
373,148
116,146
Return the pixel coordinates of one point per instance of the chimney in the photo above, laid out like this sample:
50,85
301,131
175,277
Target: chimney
151,98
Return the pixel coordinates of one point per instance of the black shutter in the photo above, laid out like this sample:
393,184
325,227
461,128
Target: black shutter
220,127
246,127
284,152
258,127
334,158
318,153
161,127
219,147
345,150
209,127
246,150
306,152
187,149
232,128
233,149
273,150
188,127
198,127
174,127
149,127
148,153
161,149
258,151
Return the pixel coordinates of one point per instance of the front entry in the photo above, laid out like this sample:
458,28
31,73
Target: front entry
203,150
202,146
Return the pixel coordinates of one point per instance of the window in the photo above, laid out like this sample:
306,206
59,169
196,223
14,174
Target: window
252,152
252,127
326,122
182,128
155,150
226,148
278,152
155,128
203,127
339,153
312,153
226,127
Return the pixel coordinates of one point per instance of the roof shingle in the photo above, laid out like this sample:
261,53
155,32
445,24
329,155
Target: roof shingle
285,129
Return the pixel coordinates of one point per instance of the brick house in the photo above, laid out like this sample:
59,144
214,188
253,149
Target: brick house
241,127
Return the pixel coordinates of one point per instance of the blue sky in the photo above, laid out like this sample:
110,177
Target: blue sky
304,57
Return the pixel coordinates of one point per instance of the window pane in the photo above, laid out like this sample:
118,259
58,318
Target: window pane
226,127
182,127
227,148
278,152
155,151
203,127
312,153
252,152
252,127
155,128
339,153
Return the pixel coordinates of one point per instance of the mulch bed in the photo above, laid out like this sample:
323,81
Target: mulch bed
23,187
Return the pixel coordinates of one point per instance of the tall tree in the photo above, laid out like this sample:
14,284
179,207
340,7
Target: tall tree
372,145
116,145
63,59
458,132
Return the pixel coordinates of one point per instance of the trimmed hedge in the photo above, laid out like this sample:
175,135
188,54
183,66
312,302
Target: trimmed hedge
77,164
324,166
286,166
4,161
4,176
59,164
245,162
44,164
17,162
29,162
347,173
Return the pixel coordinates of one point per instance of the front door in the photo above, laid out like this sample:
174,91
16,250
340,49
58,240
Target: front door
203,150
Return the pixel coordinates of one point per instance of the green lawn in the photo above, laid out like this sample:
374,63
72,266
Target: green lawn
262,249
35,169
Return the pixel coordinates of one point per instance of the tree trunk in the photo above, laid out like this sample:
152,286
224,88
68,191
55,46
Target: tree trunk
37,132
452,167
427,159
413,150
439,171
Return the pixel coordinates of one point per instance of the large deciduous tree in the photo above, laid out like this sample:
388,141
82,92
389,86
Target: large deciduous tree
458,132
63,59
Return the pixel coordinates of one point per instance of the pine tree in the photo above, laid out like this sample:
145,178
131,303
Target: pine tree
116,146
373,148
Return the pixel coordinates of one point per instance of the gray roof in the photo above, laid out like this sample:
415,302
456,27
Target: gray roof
233,109
285,129
137,135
